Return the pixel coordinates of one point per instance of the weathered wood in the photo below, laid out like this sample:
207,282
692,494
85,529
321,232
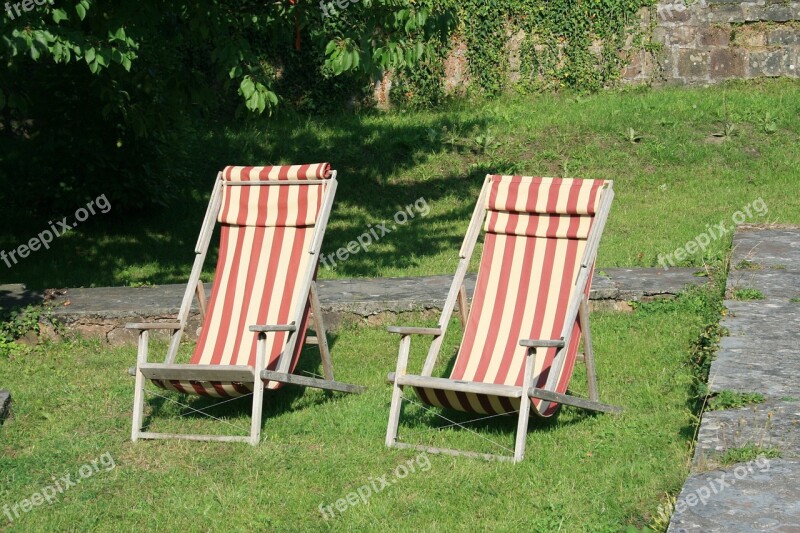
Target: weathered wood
450,451
587,261
524,410
294,379
465,253
271,328
179,436
274,183
285,359
138,391
322,339
141,326
242,373
463,306
397,392
201,300
201,250
566,399
474,387
311,340
403,330
258,390
588,359
536,343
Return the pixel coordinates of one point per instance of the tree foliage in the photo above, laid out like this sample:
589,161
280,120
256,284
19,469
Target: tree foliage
92,89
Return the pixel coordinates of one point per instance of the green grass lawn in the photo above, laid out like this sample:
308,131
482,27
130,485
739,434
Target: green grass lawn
582,472
681,159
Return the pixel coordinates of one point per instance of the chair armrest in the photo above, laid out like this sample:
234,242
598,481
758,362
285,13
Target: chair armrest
537,343
414,331
153,325
267,328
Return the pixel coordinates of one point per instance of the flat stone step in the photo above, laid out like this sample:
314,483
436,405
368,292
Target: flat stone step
760,354
774,423
764,496
103,311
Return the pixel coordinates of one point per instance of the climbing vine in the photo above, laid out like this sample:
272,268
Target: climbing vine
554,43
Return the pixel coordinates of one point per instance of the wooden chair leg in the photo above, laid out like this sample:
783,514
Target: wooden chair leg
138,393
591,375
258,391
397,392
463,306
524,409
322,339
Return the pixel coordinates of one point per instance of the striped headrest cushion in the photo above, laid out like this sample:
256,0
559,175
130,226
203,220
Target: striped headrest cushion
315,171
290,205
544,196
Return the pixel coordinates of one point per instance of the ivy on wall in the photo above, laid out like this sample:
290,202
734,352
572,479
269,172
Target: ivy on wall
558,43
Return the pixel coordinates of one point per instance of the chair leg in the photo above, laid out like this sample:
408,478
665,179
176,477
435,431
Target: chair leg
322,339
591,375
258,391
138,393
397,392
524,410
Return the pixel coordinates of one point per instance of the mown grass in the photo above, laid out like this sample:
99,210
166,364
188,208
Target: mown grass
687,170
582,472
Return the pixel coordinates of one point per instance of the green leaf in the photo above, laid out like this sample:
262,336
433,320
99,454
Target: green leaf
59,15
90,55
247,87
81,11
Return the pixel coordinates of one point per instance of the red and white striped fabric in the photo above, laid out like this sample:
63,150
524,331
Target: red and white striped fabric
536,231
266,233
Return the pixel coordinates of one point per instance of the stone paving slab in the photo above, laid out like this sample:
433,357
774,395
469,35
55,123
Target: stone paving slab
5,405
102,312
766,499
16,295
367,296
761,354
770,424
769,248
775,284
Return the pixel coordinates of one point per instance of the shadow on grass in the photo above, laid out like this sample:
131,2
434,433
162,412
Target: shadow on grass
275,402
157,247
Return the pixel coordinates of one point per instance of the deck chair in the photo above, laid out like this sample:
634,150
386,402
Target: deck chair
529,307
254,325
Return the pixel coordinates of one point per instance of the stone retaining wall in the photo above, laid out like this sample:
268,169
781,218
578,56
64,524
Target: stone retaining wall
710,41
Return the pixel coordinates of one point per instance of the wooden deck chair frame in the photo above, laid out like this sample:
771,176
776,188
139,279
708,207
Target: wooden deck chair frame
578,307
145,371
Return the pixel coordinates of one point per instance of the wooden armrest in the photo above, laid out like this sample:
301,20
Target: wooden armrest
267,328
536,343
414,331
153,325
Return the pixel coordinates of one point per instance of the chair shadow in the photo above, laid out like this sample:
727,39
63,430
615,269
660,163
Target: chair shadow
435,418
276,402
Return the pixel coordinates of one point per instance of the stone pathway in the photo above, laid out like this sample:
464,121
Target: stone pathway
760,354
103,312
